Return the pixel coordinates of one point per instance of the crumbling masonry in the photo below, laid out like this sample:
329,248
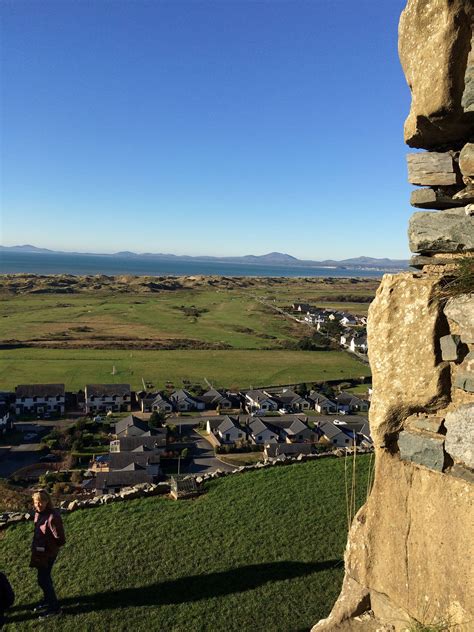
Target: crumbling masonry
410,554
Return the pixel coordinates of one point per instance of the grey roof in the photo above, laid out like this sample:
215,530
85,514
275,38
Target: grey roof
349,399
122,478
127,444
259,396
108,390
182,395
40,390
120,460
257,426
273,449
124,424
227,424
212,396
319,398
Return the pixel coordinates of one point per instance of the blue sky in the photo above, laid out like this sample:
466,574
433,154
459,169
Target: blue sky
204,127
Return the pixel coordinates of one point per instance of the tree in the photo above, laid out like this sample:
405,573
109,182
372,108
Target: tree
157,418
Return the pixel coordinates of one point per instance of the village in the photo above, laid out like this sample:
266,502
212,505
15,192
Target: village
107,437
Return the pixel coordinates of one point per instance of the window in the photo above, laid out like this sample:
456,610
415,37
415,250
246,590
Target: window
259,438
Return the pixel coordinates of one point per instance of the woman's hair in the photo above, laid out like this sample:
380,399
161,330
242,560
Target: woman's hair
45,497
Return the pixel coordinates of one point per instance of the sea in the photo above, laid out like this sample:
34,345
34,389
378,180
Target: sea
82,264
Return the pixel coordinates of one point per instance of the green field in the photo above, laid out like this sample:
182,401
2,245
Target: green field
239,368
214,328
260,551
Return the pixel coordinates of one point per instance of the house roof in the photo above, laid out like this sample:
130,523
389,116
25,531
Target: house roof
107,390
120,460
127,444
212,396
259,396
289,397
122,478
348,398
40,390
319,398
182,395
257,426
226,424
274,449
124,424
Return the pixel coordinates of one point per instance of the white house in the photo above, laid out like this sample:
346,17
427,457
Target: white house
183,401
155,402
259,432
322,404
259,400
102,398
229,432
40,399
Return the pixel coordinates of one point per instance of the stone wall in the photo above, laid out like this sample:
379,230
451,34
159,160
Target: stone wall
410,556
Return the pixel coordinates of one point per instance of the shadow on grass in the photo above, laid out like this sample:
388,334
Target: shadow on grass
185,589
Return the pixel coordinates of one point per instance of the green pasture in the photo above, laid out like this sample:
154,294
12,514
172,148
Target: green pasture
259,551
231,369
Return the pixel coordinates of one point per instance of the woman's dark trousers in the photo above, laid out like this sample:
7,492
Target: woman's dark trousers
46,584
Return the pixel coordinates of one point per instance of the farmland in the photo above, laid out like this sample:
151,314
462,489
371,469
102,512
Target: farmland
76,329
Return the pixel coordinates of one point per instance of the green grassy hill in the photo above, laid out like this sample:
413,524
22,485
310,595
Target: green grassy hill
259,551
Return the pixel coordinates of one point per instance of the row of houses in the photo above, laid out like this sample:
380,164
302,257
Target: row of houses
134,457
318,316
48,400
289,429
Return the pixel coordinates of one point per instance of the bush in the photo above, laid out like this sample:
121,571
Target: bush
185,453
156,419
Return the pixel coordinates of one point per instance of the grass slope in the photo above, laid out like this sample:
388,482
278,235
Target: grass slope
260,551
77,367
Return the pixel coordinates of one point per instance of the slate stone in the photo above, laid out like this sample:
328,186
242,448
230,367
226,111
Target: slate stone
434,199
432,168
460,434
464,381
449,347
421,449
444,231
420,261
424,422
459,471
466,160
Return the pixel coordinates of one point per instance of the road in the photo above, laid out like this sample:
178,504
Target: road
203,457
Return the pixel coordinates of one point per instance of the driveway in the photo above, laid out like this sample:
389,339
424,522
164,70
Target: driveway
203,457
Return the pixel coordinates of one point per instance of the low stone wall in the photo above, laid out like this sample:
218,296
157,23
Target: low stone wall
144,490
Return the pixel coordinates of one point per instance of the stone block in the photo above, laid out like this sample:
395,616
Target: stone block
424,422
446,231
434,199
460,434
465,381
450,347
421,449
388,612
434,47
458,471
432,168
466,160
460,309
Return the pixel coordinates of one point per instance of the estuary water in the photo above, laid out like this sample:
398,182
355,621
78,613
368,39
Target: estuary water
79,264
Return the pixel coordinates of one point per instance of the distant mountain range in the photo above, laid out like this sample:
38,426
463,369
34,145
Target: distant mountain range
272,258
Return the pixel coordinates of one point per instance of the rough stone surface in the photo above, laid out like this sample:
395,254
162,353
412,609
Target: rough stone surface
353,601
410,541
465,374
404,317
421,449
466,160
450,347
436,199
460,309
385,610
448,231
431,168
460,435
421,421
434,44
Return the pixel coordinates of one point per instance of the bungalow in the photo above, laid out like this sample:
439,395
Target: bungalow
114,482
228,431
333,434
213,399
183,401
301,307
155,402
40,399
291,401
132,426
348,403
102,398
260,433
348,320
156,442
149,460
322,404
292,430
259,400
358,343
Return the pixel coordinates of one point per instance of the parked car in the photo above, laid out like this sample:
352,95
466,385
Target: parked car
49,458
29,436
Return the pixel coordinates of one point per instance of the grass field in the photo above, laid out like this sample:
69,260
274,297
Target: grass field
260,551
239,368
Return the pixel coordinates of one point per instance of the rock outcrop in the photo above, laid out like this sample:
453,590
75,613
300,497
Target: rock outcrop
409,557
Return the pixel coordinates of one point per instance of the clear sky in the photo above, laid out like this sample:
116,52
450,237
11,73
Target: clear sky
219,127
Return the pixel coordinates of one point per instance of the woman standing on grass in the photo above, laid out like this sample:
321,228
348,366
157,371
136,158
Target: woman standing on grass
47,539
